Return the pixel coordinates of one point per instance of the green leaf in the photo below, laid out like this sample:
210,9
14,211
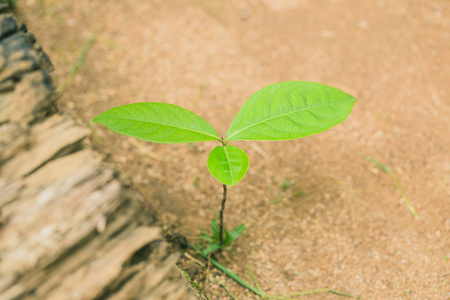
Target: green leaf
228,164
211,248
157,122
290,110
234,234
206,237
215,229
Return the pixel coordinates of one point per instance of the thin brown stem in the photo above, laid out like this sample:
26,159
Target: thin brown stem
224,199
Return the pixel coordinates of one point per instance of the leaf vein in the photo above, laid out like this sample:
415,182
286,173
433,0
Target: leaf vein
173,126
229,165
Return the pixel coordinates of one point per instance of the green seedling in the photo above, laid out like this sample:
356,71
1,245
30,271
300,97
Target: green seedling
229,292
213,241
396,183
286,184
280,111
79,63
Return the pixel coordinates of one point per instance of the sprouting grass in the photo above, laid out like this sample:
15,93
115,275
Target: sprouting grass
326,290
94,133
82,57
256,289
286,184
79,63
396,183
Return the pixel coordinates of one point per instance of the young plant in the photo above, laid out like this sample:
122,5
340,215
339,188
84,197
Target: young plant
280,111
213,241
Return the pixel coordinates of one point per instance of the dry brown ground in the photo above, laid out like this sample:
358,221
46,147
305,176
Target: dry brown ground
344,224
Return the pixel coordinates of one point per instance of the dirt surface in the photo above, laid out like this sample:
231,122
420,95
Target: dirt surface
343,224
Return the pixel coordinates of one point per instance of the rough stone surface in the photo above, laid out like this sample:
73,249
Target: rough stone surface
69,229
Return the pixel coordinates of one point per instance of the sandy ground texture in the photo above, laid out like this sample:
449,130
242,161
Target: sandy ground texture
341,222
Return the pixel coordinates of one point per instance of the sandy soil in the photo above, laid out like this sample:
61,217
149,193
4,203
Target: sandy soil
344,224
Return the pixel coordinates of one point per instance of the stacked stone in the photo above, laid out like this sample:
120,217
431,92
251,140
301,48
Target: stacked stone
69,229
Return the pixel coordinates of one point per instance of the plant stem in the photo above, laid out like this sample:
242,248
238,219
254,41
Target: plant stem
224,199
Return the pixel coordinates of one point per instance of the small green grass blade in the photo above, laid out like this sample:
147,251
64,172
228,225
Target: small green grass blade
215,230
229,292
258,290
206,237
378,164
210,248
82,57
236,232
229,273
342,293
396,183
254,277
326,290
233,234
407,202
79,63
235,277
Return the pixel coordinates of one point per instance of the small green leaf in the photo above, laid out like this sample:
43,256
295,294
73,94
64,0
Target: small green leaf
228,164
215,229
234,234
158,123
290,110
206,237
211,248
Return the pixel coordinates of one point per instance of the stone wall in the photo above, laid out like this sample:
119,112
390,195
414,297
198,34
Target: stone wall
69,229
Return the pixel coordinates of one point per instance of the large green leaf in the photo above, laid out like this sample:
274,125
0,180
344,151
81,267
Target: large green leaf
228,164
290,110
157,122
